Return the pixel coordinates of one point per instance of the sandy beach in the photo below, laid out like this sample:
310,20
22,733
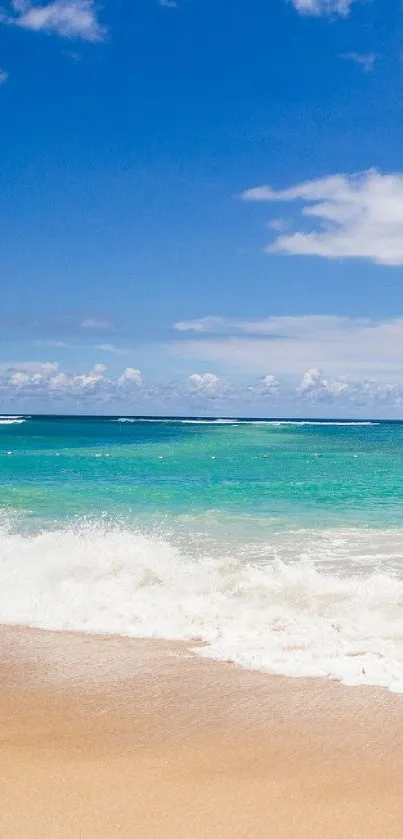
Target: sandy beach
107,737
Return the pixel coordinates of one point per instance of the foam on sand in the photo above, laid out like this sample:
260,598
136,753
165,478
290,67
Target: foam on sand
312,604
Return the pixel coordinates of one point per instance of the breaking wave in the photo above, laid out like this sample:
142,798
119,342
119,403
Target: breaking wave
313,603
8,420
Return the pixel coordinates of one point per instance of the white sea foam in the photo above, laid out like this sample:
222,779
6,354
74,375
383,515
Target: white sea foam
321,423
8,420
312,604
209,422
272,422
181,421
125,419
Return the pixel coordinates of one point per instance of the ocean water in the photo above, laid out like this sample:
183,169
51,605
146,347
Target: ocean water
275,544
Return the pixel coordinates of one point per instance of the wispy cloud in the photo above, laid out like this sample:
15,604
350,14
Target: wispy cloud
3,76
210,324
96,325
106,348
280,225
51,343
111,348
67,18
364,60
360,216
323,7
288,345
169,4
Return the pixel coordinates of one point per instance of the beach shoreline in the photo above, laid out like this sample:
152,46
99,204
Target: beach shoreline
112,737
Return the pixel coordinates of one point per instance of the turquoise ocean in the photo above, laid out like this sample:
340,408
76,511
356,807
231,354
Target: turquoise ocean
276,544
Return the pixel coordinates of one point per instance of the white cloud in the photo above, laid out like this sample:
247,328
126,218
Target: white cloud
208,324
323,7
3,76
49,387
130,376
280,225
289,345
30,366
364,60
51,343
169,4
106,348
359,216
68,18
204,383
309,381
96,324
267,385
302,326
352,395
48,380
111,348
313,384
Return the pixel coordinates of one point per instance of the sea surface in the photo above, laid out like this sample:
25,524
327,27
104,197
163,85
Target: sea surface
275,544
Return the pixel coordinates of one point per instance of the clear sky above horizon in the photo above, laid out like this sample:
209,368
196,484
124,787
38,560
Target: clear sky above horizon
202,206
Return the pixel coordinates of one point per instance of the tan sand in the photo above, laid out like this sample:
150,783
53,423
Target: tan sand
116,738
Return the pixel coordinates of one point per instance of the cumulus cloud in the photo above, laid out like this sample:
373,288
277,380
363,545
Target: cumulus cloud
48,380
267,386
323,7
131,376
289,345
313,384
3,76
47,386
67,18
359,216
211,386
349,394
205,382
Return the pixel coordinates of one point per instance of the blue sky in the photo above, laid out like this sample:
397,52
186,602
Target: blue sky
208,196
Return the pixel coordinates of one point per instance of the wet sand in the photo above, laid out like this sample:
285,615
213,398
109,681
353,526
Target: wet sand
107,737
